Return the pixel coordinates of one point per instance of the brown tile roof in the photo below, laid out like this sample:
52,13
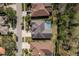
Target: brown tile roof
2,50
42,48
48,6
38,9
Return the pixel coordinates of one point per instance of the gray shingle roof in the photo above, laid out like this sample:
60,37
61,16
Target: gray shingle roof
39,31
3,29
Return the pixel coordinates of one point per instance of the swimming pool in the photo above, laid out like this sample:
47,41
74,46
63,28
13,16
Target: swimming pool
47,25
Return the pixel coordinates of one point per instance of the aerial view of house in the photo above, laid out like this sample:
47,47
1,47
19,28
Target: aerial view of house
41,24
39,29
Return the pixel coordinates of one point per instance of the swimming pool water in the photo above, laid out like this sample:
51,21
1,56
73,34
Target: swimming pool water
48,25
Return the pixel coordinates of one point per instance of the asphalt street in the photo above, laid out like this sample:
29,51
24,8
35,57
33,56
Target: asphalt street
18,28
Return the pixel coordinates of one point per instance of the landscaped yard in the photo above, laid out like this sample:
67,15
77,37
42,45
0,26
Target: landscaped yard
65,31
9,44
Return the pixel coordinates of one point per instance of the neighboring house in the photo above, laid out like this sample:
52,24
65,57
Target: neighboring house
3,26
41,48
41,25
4,30
2,51
39,9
